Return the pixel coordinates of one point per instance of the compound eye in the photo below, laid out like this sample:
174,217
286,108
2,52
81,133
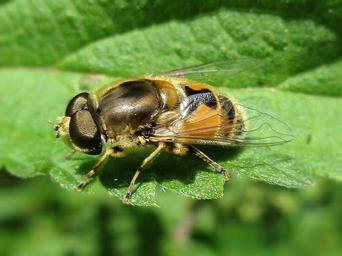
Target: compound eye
84,132
77,103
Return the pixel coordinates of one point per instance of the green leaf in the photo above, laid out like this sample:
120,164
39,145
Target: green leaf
325,80
32,148
298,43
225,35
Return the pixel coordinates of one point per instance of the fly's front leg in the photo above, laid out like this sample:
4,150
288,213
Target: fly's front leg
146,161
70,154
95,170
217,167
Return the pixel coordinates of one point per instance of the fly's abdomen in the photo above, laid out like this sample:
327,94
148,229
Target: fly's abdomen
232,119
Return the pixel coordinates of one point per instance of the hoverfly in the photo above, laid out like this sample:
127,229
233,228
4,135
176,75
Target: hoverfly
168,111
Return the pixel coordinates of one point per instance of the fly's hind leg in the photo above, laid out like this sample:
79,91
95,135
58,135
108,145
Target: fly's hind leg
146,161
217,167
95,170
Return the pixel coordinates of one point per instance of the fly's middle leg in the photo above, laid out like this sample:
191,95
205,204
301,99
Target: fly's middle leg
216,166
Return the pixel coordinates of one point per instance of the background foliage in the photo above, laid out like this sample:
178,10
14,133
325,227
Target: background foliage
47,46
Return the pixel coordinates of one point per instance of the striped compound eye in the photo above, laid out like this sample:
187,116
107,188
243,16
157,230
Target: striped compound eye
83,130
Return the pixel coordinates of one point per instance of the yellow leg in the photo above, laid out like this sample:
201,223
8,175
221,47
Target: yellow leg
94,171
146,161
217,167
70,154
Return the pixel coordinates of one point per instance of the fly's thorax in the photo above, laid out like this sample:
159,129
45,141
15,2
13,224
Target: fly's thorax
128,106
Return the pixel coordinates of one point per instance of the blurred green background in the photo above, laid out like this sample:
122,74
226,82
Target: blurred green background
51,44
39,218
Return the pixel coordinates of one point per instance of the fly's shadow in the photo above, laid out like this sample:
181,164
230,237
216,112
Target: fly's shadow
118,172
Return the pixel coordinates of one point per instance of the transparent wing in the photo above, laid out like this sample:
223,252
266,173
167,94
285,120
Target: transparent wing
262,128
257,129
218,69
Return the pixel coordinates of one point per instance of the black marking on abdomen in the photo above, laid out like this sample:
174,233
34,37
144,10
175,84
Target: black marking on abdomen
196,98
228,107
210,100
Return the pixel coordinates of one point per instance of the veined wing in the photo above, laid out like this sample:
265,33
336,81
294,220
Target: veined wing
263,128
218,69
256,128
